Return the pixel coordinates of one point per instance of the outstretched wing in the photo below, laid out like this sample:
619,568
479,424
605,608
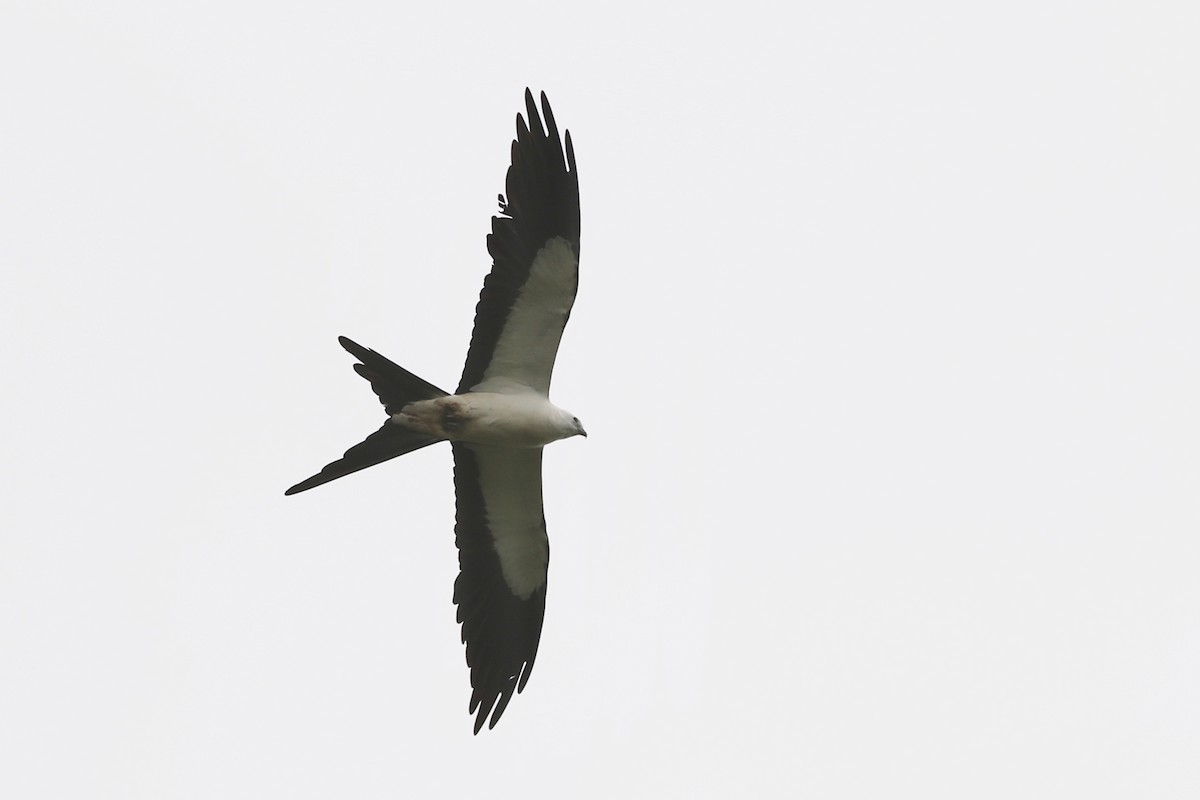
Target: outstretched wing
503,553
534,244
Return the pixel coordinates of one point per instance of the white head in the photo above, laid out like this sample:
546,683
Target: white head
570,425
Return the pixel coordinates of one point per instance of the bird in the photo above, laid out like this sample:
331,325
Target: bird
500,417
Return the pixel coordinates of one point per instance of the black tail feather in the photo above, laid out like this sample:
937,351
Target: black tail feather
386,443
396,388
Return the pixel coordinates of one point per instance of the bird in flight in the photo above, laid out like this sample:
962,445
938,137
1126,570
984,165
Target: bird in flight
500,418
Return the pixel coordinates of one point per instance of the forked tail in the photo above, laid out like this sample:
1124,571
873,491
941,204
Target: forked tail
396,387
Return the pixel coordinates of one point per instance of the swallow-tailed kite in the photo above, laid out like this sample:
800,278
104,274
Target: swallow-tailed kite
500,417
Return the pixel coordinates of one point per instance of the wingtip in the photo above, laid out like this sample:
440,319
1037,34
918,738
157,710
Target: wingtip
480,713
535,119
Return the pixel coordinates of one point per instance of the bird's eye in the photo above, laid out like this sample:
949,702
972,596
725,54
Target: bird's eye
575,420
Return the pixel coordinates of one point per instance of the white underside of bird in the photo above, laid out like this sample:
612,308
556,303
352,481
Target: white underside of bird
524,419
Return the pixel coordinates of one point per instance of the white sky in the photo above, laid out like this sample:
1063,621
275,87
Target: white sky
887,342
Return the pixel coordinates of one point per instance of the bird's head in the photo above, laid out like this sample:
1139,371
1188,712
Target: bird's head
570,425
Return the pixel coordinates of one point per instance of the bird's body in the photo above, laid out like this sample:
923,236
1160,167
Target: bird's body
524,419
500,417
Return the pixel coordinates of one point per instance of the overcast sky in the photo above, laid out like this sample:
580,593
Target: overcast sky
887,342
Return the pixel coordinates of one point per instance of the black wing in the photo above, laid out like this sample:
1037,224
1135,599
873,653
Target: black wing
503,554
527,297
